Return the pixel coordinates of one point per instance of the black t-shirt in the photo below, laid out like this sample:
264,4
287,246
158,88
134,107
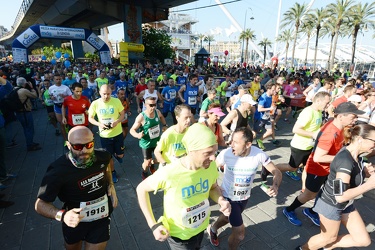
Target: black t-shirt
343,163
73,185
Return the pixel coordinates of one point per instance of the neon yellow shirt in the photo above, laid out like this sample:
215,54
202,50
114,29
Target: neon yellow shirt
254,90
107,113
311,120
186,192
101,81
171,145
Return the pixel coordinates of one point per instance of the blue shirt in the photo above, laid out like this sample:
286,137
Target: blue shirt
121,84
169,93
89,93
68,82
266,102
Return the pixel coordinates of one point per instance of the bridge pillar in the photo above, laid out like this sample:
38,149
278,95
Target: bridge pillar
133,29
77,49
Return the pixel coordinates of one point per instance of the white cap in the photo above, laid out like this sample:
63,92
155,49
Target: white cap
248,98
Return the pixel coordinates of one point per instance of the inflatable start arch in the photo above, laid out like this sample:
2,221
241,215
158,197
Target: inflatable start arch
36,32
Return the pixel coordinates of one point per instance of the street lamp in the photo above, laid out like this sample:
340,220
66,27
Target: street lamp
243,39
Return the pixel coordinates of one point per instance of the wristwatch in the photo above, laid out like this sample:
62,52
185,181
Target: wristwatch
60,214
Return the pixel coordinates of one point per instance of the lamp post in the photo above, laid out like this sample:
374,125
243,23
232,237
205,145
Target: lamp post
243,39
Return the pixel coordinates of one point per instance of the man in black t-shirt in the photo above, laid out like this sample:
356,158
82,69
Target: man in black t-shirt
82,180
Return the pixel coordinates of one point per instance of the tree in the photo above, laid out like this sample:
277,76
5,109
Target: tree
50,51
209,39
361,16
157,44
201,38
247,35
285,37
339,12
317,16
265,42
328,28
293,16
307,28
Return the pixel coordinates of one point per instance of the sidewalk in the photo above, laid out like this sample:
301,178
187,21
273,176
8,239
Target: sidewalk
266,227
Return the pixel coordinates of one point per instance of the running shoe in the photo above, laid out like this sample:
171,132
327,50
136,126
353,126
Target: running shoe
214,240
276,142
260,144
293,175
276,128
292,218
313,217
114,176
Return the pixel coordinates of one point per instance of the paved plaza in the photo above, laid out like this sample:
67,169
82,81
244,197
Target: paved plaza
266,227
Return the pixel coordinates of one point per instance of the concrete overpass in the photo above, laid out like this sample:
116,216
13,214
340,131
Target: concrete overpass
89,14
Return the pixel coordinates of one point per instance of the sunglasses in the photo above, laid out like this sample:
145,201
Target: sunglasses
152,105
79,147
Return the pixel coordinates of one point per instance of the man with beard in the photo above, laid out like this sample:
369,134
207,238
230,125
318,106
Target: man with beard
187,182
82,180
240,163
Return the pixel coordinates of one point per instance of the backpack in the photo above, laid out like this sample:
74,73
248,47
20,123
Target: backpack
11,103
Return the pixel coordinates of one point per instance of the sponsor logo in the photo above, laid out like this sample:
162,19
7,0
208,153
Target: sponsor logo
95,41
28,38
199,188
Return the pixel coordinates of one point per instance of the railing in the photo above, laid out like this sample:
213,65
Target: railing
25,5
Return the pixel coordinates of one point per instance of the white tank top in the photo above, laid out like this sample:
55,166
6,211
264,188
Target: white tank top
148,94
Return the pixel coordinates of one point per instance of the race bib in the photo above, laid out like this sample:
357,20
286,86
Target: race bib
95,209
266,115
192,100
154,132
78,119
256,93
241,188
193,217
172,95
106,120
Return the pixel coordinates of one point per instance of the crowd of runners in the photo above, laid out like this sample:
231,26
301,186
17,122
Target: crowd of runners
220,119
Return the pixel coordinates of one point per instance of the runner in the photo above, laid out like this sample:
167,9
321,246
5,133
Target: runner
187,185
48,103
189,94
110,113
81,179
121,94
148,123
170,147
169,95
240,163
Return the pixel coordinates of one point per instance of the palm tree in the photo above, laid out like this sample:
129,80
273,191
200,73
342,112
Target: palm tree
285,37
318,16
360,16
265,42
209,39
328,28
201,38
307,28
293,16
339,12
247,35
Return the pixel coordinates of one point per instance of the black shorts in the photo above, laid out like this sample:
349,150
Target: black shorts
114,145
50,109
192,243
314,182
235,217
147,153
92,232
298,156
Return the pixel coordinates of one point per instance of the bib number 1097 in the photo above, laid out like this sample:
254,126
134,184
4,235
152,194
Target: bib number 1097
240,192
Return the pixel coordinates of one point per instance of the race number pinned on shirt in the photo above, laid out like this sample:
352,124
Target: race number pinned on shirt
172,95
154,132
241,188
78,119
192,100
95,209
194,216
107,120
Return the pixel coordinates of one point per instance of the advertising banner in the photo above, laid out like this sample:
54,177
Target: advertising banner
27,38
19,55
61,32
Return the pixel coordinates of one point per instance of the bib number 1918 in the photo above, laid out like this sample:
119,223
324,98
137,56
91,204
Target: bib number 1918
95,211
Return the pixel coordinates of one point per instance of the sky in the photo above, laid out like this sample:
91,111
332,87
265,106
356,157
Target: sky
212,20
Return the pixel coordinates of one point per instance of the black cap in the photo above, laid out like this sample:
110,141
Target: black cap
348,108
